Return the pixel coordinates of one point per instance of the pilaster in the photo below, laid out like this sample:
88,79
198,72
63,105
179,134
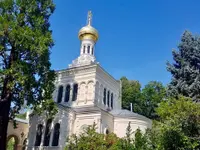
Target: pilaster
63,94
71,92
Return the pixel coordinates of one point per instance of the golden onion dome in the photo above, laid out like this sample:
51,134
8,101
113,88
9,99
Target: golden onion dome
88,32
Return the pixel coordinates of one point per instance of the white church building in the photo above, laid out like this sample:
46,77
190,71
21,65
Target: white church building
85,94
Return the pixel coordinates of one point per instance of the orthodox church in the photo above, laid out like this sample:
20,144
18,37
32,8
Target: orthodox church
85,94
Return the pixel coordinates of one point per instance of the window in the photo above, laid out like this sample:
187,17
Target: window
107,131
83,49
60,94
108,98
47,133
75,92
24,144
104,96
38,135
92,51
67,93
88,49
111,100
56,134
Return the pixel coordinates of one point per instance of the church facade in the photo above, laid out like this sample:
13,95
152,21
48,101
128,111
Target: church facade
85,94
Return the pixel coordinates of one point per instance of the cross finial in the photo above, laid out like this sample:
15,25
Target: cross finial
89,19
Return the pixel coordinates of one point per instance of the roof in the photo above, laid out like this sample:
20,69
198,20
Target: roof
82,109
123,113
89,109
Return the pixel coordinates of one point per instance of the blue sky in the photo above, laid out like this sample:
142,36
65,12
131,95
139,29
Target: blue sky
136,36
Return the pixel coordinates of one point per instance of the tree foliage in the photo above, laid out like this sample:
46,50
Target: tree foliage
151,96
145,100
25,43
130,94
91,140
185,69
179,124
25,40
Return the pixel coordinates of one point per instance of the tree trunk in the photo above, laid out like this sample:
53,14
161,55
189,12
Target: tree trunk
5,103
4,119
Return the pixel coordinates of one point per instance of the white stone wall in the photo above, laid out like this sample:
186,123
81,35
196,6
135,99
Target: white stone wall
62,117
34,122
85,78
107,122
120,125
83,120
91,82
106,81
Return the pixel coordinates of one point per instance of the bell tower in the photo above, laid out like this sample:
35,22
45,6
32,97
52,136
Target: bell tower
88,36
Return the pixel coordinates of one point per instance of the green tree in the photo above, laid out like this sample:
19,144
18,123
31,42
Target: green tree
141,141
179,124
25,43
144,101
152,94
91,140
131,94
185,69
126,143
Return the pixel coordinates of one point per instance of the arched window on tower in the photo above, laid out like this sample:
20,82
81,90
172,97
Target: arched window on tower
92,51
38,135
75,92
111,101
47,133
67,93
88,49
83,49
60,94
104,96
108,99
56,134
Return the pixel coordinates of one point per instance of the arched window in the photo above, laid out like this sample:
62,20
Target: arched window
88,49
83,49
12,142
92,51
38,135
97,91
24,144
47,133
111,101
108,98
60,94
107,131
67,93
56,134
75,92
104,96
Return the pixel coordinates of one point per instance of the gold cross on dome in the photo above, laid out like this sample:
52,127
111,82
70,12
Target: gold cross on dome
89,18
